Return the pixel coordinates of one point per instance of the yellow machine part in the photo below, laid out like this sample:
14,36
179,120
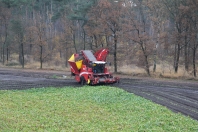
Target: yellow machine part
78,63
72,58
88,81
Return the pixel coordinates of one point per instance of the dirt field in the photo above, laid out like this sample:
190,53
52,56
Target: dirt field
177,95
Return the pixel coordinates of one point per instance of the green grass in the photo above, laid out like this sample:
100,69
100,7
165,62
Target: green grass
86,109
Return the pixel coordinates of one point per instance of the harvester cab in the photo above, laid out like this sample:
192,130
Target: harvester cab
91,68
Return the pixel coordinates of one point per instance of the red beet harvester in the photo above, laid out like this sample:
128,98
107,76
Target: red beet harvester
89,68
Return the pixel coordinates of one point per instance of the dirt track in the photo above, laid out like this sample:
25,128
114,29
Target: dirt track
179,96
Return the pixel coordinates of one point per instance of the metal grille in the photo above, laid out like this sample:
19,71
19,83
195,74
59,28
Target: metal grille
89,55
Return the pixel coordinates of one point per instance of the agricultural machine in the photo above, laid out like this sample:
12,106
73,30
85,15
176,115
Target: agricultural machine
89,68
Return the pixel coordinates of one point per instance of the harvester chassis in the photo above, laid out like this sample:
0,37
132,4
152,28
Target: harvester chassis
89,68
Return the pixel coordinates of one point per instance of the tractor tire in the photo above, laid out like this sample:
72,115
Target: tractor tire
91,83
82,80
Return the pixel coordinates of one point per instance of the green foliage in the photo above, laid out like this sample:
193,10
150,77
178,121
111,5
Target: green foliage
8,3
39,4
17,27
81,9
63,6
14,3
77,9
86,109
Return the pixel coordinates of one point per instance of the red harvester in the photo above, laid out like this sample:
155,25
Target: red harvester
90,68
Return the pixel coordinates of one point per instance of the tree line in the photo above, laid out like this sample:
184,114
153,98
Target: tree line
141,32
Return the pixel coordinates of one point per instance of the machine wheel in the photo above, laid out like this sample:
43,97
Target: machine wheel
82,80
72,74
91,83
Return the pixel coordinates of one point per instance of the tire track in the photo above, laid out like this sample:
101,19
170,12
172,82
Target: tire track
175,107
174,98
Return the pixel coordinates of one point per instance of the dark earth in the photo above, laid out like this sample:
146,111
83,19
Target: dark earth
177,95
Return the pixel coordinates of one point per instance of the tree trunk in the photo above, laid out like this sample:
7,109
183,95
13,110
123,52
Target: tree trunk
22,55
147,65
74,41
3,52
1,49
155,51
186,54
5,41
91,43
41,57
115,53
175,55
177,58
107,41
66,64
30,53
154,61
96,42
21,52
145,59
84,35
194,62
7,54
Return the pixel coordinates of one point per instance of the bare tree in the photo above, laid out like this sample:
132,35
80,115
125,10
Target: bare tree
137,30
5,14
107,24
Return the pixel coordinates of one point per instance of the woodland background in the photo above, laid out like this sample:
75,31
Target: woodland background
158,36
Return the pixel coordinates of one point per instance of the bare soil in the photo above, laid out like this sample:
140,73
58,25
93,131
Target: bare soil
177,95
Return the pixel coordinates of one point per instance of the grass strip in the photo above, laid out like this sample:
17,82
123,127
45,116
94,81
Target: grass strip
101,108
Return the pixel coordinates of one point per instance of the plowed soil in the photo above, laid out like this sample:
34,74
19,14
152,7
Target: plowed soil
177,95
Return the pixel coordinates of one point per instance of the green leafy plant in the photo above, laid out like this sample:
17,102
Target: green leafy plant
88,108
